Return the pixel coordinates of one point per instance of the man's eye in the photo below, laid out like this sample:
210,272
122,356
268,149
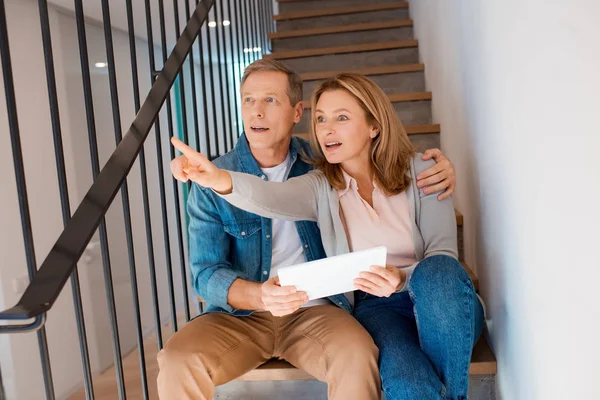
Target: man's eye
248,99
270,100
342,118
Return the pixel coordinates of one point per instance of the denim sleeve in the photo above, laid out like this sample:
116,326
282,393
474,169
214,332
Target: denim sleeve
209,246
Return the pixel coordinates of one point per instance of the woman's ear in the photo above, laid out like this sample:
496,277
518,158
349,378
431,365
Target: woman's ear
374,132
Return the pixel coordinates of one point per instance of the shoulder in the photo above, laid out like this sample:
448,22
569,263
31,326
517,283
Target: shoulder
418,165
228,161
302,146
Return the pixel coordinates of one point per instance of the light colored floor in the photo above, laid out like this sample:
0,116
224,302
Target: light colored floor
105,384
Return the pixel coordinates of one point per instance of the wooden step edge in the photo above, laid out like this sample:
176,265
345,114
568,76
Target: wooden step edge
417,129
472,275
394,98
353,48
459,217
410,130
483,362
381,70
366,26
341,11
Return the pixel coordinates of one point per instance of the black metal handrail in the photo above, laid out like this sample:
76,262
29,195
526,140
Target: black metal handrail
56,269
249,23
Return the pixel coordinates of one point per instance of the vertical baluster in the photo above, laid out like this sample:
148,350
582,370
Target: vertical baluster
207,134
193,83
249,35
235,24
212,92
63,189
184,282
163,39
224,109
13,123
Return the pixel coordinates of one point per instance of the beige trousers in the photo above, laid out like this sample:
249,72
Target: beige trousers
324,341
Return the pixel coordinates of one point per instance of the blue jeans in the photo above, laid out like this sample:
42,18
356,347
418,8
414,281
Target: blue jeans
425,335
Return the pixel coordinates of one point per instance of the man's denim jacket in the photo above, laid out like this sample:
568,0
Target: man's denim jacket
227,243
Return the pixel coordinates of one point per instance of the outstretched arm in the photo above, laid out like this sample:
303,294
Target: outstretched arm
295,199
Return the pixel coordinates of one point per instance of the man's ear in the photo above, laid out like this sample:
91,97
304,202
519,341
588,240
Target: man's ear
298,111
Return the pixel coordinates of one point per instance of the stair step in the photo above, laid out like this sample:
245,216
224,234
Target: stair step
383,70
413,109
345,35
377,58
459,217
483,362
340,10
472,275
359,56
395,97
367,26
304,5
353,48
410,130
340,20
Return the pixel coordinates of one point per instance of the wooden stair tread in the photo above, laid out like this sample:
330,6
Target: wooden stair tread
380,70
354,48
459,217
394,98
483,362
410,129
472,275
341,10
365,26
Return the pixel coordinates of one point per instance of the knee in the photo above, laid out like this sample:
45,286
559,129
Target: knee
355,347
175,357
439,274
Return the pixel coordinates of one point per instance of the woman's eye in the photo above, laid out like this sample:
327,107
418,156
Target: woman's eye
342,118
320,119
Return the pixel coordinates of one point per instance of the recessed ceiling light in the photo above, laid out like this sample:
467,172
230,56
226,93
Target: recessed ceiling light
226,23
212,24
101,65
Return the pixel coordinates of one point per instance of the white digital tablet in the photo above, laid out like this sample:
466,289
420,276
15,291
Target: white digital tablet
333,275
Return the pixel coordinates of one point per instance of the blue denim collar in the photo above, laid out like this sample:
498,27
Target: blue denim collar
247,161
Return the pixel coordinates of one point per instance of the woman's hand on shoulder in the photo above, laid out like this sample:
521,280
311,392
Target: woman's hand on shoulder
381,281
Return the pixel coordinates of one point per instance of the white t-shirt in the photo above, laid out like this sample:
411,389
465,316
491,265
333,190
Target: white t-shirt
286,243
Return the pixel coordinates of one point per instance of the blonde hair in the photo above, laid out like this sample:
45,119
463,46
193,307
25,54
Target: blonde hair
294,90
391,150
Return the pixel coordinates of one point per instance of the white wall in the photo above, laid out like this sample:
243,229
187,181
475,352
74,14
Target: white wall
19,355
516,88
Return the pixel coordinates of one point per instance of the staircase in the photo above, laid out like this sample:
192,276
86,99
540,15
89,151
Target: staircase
321,38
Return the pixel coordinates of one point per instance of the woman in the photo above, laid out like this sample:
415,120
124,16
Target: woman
421,309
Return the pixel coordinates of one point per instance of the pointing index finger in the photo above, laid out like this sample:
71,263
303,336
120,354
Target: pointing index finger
184,148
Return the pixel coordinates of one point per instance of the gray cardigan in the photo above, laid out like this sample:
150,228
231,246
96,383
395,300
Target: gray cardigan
311,197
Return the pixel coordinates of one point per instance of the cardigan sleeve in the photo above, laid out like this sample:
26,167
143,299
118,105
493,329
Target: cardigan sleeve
436,221
294,200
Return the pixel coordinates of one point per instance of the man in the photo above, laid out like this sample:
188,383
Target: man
235,255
